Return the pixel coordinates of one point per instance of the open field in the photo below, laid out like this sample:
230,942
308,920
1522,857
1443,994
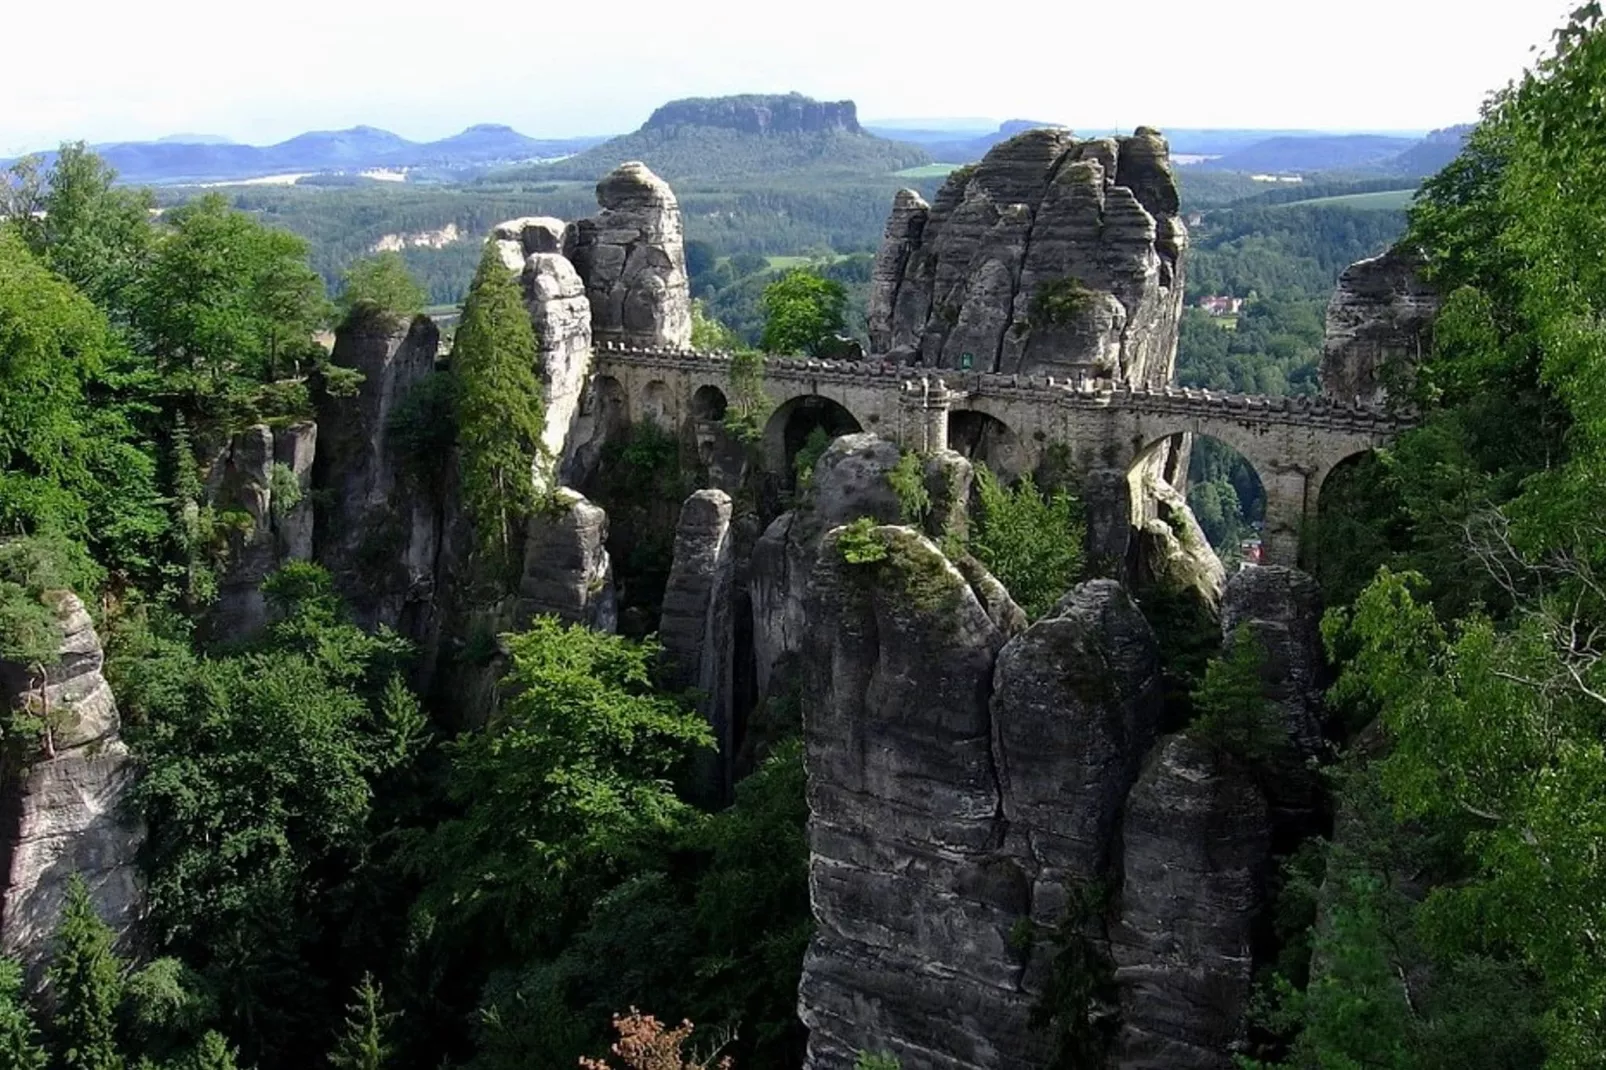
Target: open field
930,170
1392,200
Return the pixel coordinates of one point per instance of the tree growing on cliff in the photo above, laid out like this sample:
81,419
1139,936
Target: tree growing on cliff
802,313
1030,540
87,979
19,1039
499,405
381,285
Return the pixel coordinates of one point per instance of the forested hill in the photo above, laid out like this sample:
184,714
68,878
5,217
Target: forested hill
739,137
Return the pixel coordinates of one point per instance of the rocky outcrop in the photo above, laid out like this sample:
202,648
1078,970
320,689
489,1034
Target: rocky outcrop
696,627
567,573
632,259
1171,549
258,487
1076,705
1107,511
1379,326
850,481
1280,610
914,905
1196,842
561,316
379,523
62,798
758,114
1051,256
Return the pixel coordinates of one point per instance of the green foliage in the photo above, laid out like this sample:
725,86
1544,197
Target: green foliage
259,777
1231,712
211,1053
365,1045
381,285
876,1060
749,406
708,333
808,455
499,405
87,979
1031,542
908,479
284,490
1079,995
802,313
562,796
860,543
1062,302
19,1038
423,428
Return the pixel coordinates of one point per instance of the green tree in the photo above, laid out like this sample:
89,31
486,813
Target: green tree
87,978
802,313
499,405
19,1038
365,1044
1031,541
212,1052
1232,713
381,285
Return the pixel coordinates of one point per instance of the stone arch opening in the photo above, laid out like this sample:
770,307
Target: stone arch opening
1221,487
794,423
658,404
709,403
984,438
1356,516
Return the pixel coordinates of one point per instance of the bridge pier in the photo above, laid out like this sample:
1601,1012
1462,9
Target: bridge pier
926,404
1288,502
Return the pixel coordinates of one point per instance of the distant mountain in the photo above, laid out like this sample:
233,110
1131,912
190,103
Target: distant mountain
1432,154
738,136
203,158
1328,152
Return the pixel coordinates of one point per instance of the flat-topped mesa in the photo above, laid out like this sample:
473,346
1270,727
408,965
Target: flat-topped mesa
1052,254
632,258
759,114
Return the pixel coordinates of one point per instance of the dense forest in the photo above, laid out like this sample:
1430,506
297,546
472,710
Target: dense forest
340,872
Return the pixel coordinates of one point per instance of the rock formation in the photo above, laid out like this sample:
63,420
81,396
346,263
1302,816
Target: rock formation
913,903
267,522
1171,548
567,573
850,481
63,799
1379,325
697,627
632,258
377,530
1051,256
758,114
1196,842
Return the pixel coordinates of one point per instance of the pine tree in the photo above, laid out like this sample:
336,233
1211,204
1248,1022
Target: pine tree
364,1045
19,1040
87,979
212,1053
500,413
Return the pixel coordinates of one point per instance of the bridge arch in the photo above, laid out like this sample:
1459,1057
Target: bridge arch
1345,542
790,425
657,404
709,403
983,437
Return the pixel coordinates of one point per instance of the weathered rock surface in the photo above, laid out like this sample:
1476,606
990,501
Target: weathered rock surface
1280,609
914,905
1196,838
378,530
696,626
850,481
567,572
1107,510
561,317
1076,705
1051,256
62,813
1379,325
632,258
262,534
1171,548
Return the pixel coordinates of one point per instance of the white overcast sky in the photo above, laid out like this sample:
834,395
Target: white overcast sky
261,71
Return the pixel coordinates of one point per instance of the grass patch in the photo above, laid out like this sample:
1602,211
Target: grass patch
1391,200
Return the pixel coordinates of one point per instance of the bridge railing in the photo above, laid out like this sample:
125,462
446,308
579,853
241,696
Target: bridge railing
1185,401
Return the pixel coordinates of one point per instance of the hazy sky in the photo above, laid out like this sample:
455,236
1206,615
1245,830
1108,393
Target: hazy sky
259,72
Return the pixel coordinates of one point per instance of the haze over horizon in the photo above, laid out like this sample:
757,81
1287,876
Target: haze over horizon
144,72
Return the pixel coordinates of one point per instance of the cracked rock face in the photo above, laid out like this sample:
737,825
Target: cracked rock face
632,258
1379,325
63,813
377,533
695,626
1051,256
1196,840
567,572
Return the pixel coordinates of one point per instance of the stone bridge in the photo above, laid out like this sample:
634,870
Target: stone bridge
1011,422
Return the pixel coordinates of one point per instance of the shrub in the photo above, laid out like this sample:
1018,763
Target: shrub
1031,542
